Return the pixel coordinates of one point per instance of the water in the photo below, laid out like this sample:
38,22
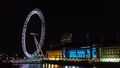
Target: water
47,65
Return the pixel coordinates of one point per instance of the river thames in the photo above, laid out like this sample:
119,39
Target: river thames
46,65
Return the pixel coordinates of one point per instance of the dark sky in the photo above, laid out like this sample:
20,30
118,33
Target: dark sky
61,17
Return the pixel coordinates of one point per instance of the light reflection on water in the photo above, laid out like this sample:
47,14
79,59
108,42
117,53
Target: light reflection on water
45,66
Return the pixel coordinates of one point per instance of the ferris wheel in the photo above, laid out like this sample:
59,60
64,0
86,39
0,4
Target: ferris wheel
38,43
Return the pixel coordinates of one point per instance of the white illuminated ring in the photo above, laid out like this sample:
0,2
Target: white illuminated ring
39,13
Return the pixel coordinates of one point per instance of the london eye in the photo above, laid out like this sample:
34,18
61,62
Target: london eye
38,43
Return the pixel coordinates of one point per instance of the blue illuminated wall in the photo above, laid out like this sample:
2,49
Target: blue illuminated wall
80,53
94,52
73,54
88,53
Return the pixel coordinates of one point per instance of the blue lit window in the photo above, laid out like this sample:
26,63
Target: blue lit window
73,54
94,53
88,53
81,53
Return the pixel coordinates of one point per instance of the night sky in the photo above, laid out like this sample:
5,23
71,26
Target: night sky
61,17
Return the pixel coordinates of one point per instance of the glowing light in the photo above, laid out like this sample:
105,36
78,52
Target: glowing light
94,67
49,66
56,66
54,55
52,66
73,67
43,65
110,60
46,65
66,66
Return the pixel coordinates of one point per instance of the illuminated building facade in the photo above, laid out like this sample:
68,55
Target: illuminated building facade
81,53
110,54
90,53
54,55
